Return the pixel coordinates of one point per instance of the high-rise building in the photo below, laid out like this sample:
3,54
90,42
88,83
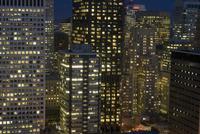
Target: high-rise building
52,100
80,91
60,43
183,33
22,66
197,36
145,70
186,14
151,30
158,20
184,109
126,88
66,27
128,94
100,23
49,29
52,108
163,81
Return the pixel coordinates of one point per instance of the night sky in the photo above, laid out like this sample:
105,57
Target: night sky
63,8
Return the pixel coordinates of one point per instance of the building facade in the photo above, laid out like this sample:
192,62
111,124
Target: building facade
49,29
126,89
145,69
66,27
163,81
52,100
186,14
100,23
184,110
22,69
183,33
80,91
151,30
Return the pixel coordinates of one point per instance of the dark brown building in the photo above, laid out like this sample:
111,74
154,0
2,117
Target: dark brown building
184,109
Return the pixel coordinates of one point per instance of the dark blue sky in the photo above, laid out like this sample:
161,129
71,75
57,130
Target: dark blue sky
63,8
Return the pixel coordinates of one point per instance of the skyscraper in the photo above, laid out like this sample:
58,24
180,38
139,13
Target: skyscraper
145,70
183,33
49,29
197,36
80,91
52,100
66,27
52,109
186,14
126,88
22,66
100,23
163,81
151,30
184,110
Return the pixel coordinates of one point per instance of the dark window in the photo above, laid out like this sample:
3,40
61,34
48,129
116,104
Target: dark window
38,3
23,2
19,2
26,3
34,2
15,2
4,3
7,3
42,2
31,4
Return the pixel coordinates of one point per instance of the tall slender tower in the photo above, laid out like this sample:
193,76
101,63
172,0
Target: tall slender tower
151,30
49,29
100,23
22,66
79,87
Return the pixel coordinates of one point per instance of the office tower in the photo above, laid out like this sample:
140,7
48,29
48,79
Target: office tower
51,97
61,43
184,110
52,100
151,30
158,20
184,30
127,98
22,59
49,29
100,23
66,27
163,81
168,48
80,91
197,36
126,88
186,14
145,70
